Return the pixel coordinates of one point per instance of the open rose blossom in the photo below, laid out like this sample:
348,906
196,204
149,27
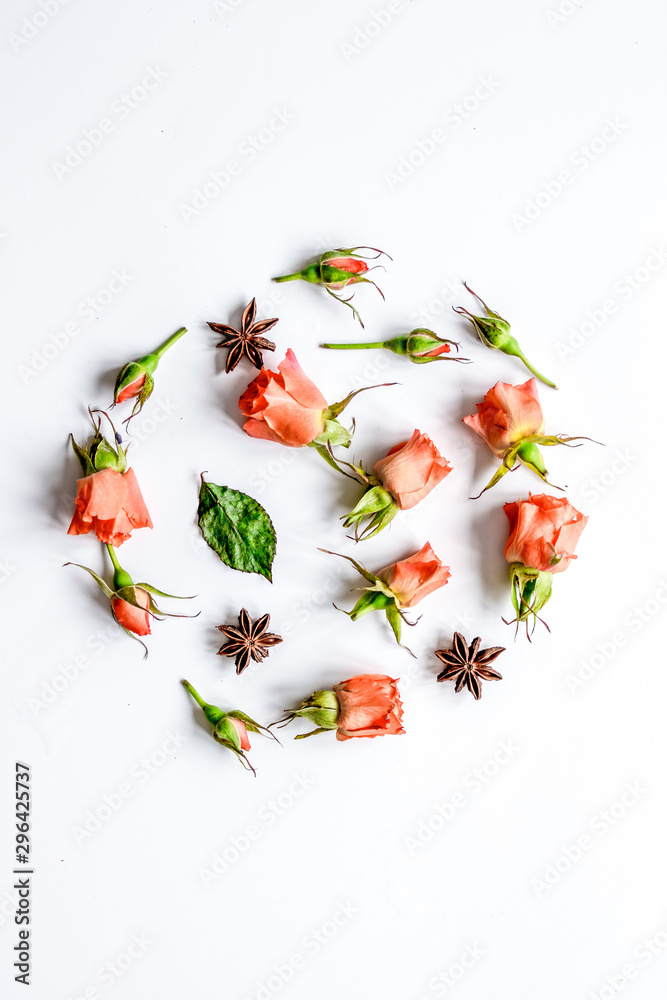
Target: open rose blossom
284,406
110,504
544,532
365,705
510,420
411,470
398,586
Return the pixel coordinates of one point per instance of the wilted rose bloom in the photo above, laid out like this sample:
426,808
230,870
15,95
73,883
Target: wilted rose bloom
134,619
544,532
507,415
369,706
110,504
284,406
411,470
412,579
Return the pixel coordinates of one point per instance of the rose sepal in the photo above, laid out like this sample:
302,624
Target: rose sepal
531,590
321,708
100,453
527,452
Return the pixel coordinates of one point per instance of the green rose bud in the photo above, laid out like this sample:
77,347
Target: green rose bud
494,331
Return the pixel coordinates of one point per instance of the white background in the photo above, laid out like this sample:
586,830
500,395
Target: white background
356,842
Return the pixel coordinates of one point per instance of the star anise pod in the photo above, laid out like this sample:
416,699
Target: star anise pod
469,665
246,340
248,639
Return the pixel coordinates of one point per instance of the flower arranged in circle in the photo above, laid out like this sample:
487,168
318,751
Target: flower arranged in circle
401,585
366,705
336,269
510,420
421,346
399,481
230,729
135,379
110,504
494,332
544,532
286,407
132,605
108,499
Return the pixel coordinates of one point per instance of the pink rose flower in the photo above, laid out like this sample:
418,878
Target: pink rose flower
412,579
411,470
544,532
284,406
506,415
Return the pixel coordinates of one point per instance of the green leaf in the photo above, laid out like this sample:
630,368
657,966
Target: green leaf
237,528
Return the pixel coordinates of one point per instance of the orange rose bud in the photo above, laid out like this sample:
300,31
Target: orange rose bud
420,347
411,469
135,379
366,705
132,605
336,269
230,729
134,619
398,586
544,532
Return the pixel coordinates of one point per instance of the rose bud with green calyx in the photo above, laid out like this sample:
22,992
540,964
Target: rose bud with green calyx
494,331
132,605
135,379
399,586
230,729
336,269
420,346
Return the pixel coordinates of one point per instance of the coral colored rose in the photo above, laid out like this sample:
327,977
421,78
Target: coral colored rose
414,578
109,503
240,728
411,470
369,706
544,532
506,415
135,620
131,390
284,406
